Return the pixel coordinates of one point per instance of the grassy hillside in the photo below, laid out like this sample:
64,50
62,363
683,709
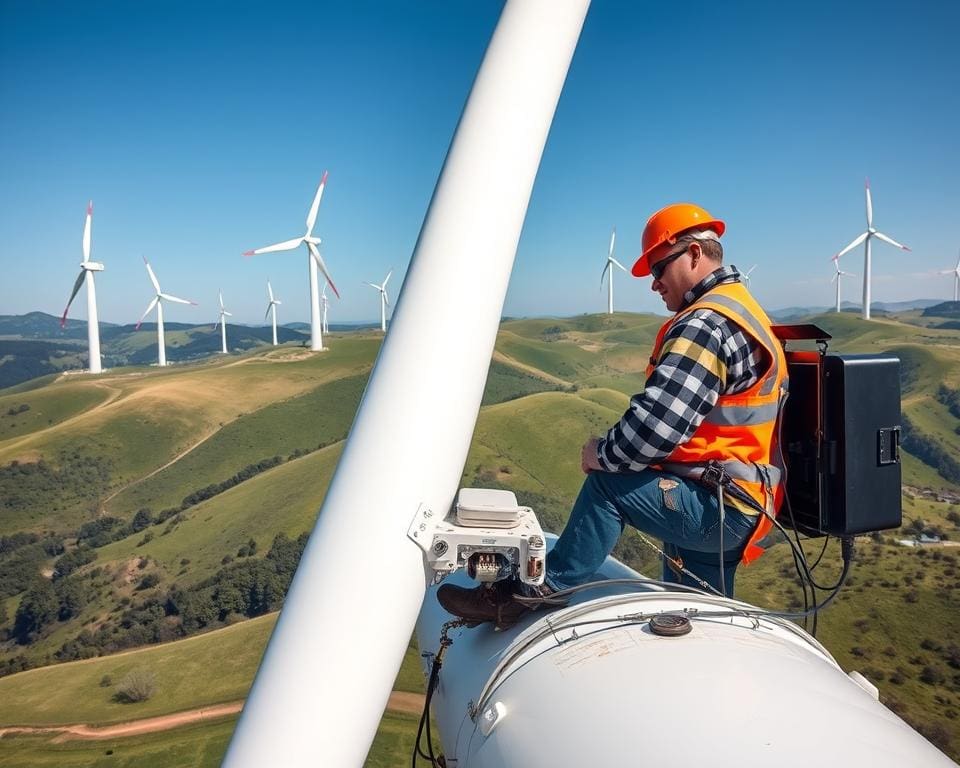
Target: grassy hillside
145,440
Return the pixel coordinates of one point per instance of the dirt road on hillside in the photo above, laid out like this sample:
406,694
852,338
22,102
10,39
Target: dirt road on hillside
400,701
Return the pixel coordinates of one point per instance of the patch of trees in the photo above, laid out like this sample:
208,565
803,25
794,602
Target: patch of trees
45,603
247,588
75,558
929,451
21,556
13,410
42,485
251,470
950,398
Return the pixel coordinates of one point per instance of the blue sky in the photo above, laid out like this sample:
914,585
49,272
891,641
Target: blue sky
201,130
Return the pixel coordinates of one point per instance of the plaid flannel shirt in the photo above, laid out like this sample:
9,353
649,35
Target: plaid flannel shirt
703,355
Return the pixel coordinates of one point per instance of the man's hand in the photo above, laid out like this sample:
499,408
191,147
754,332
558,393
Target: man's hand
588,456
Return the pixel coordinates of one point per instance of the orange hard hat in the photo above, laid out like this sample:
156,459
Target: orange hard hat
666,226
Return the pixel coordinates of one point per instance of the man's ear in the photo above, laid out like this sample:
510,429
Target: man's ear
696,252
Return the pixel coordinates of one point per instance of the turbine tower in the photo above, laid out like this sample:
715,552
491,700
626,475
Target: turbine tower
314,260
324,306
87,268
223,324
158,303
865,238
384,301
955,272
746,275
608,272
272,307
836,277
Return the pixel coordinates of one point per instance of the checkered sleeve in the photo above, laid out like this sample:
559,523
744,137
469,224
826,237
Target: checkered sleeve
694,368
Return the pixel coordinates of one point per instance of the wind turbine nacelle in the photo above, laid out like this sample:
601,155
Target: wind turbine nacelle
643,676
487,533
91,266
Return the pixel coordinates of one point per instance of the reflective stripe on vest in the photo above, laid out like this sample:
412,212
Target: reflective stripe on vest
740,431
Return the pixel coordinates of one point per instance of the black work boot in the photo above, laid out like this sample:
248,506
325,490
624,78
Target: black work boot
495,603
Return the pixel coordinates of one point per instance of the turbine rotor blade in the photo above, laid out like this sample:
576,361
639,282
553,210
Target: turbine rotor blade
168,297
618,264
220,294
836,275
388,278
286,245
150,307
852,245
76,289
312,216
603,274
270,290
86,232
267,313
386,299
869,206
153,277
613,237
881,236
323,267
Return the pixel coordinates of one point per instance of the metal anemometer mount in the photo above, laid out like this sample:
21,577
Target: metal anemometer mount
487,533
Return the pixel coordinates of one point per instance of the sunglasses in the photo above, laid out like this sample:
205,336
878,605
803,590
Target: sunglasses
660,267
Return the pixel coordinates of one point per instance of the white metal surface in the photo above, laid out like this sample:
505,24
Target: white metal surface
328,669
157,301
583,687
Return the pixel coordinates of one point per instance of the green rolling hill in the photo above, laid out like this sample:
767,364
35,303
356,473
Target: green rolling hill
133,504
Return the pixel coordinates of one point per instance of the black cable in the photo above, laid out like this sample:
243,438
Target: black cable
425,719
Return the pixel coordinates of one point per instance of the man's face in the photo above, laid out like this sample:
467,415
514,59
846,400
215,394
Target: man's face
672,276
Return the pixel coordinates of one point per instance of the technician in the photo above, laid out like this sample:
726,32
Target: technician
707,416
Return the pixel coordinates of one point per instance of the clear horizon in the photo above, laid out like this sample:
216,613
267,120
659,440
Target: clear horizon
200,132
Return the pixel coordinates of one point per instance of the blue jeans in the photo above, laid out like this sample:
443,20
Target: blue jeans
683,515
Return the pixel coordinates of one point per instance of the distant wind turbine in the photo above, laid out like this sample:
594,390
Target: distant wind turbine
838,273
955,272
746,275
324,306
87,268
222,323
608,272
314,260
384,300
158,303
866,237
272,307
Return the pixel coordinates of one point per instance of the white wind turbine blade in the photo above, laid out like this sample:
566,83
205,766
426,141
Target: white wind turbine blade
220,294
76,288
836,276
869,206
228,314
848,274
852,245
312,216
286,245
613,237
603,274
323,267
384,286
267,313
613,260
881,236
168,297
270,290
386,298
153,277
86,232
150,307
375,287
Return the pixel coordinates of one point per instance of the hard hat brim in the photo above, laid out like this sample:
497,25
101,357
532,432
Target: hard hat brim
641,267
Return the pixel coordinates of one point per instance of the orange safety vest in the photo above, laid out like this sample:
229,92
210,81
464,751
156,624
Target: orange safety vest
740,433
